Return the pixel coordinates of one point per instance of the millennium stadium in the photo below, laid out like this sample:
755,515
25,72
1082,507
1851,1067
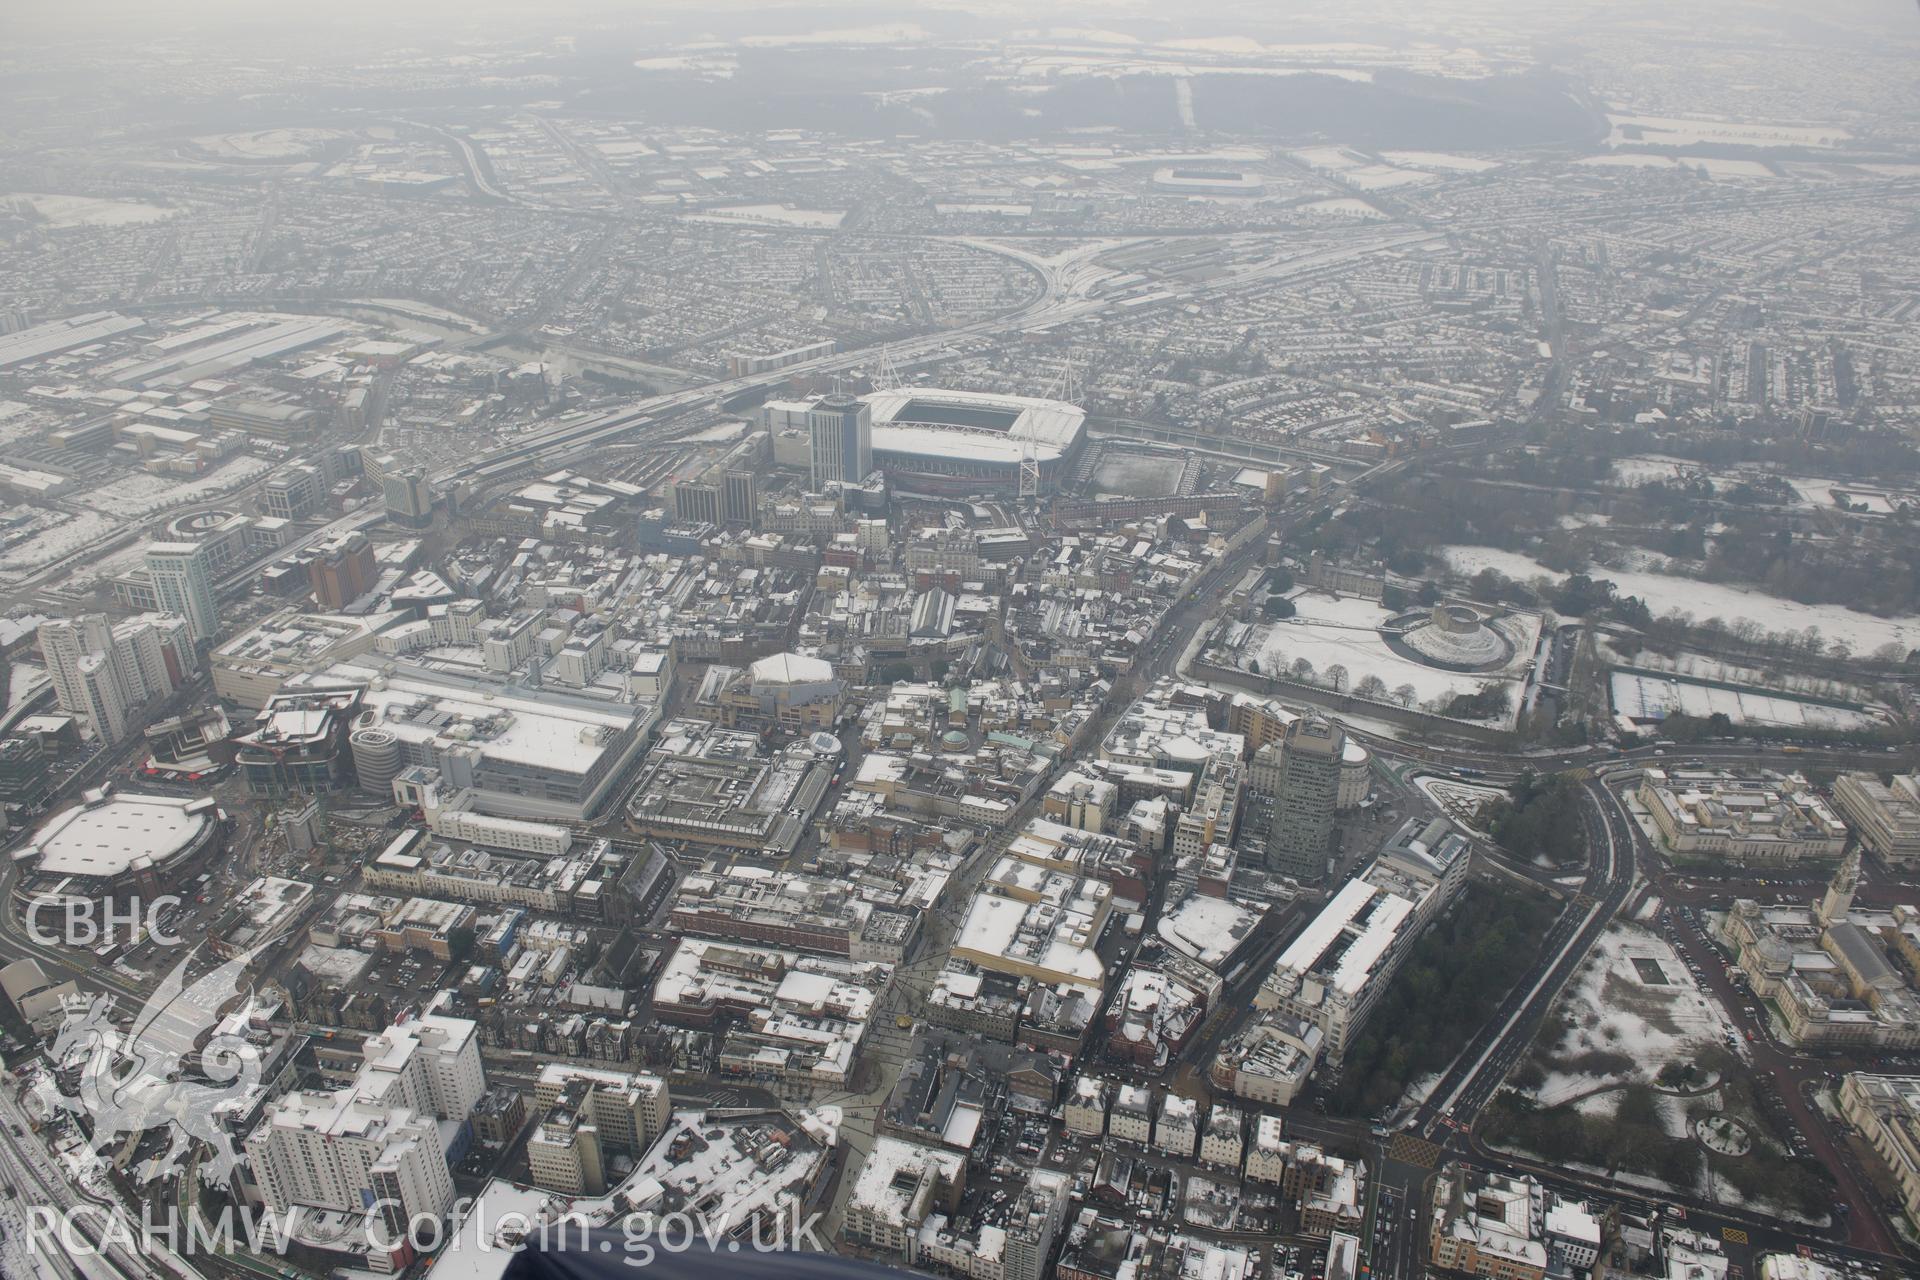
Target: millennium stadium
954,443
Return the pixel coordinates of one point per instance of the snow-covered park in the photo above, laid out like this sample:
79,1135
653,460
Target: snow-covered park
1631,1009
1665,593
1336,641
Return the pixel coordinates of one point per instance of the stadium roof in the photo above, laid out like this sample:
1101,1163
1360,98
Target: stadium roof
962,445
1030,418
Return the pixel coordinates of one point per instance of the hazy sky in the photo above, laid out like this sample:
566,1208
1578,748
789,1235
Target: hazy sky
373,21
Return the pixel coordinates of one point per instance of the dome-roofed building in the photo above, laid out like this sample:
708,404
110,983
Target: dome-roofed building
791,668
114,844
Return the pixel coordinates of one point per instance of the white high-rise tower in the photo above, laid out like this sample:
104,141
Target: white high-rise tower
183,584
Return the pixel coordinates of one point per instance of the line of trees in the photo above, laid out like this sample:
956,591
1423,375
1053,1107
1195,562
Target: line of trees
1449,986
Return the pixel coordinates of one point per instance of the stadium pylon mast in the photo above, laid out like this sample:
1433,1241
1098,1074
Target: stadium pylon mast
888,377
1066,384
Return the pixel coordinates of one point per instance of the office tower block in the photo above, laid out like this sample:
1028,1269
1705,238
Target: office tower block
695,502
840,440
343,570
409,498
740,498
1301,838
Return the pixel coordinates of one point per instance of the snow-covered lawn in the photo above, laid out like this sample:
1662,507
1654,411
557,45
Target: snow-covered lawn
1664,593
1646,697
1606,1105
1612,1007
1461,800
1343,631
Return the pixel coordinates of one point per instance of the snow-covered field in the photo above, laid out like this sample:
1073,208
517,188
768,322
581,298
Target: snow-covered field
1377,177
782,214
1629,160
1703,600
1343,631
1721,167
1439,160
1328,158
1616,1009
1699,666
1811,491
1683,131
50,544
266,144
89,211
1651,466
142,494
1135,474
1647,697
1344,207
25,680
1712,166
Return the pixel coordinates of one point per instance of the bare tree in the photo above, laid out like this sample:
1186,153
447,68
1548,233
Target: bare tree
1337,677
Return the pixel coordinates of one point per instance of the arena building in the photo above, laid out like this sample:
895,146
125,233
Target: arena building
119,844
951,443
